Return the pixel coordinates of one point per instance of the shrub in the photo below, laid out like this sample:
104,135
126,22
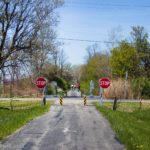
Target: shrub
146,89
141,87
50,90
61,82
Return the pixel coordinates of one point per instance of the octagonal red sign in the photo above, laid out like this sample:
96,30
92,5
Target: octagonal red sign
104,82
40,82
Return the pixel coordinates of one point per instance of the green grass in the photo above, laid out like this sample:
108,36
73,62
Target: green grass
23,112
16,104
131,124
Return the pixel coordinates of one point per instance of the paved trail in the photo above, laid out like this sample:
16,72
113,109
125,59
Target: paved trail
68,127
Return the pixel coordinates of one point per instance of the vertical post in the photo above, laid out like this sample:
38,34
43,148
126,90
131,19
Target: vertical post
115,104
44,97
125,90
101,96
84,100
91,88
140,104
11,104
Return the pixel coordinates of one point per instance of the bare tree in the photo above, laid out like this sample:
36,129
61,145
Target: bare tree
91,50
20,23
114,36
62,61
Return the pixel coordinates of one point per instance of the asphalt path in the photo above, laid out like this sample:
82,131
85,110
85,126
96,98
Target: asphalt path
68,127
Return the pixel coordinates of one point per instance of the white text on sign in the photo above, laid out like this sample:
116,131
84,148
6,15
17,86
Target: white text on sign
104,83
40,82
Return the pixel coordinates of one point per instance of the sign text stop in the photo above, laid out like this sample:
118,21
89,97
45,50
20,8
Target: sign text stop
40,82
104,82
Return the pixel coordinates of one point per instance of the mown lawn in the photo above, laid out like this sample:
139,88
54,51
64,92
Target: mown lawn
131,124
23,112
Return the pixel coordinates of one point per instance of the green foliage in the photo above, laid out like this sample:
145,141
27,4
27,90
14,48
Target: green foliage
61,82
140,87
142,46
146,89
97,66
124,58
49,90
84,87
132,128
12,120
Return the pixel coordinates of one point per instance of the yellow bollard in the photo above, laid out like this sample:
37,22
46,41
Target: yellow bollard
61,100
84,100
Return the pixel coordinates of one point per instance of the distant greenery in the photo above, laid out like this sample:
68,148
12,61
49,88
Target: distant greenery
62,83
131,124
24,111
50,90
96,67
131,58
124,58
141,87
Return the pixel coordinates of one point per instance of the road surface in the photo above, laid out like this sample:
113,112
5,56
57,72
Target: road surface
68,127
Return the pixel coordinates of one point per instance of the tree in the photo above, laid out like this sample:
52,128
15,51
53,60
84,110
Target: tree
97,67
44,47
114,36
124,59
76,72
91,50
19,25
62,62
141,44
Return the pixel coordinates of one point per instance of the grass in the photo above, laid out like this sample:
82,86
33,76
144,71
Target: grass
22,113
131,124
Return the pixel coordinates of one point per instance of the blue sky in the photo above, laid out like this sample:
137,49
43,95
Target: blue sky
94,19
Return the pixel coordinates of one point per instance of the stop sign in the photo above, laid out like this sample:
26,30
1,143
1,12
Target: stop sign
40,82
104,82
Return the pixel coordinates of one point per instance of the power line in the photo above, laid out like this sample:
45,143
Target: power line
84,40
107,4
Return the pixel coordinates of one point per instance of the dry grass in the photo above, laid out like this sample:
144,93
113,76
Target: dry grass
22,88
120,89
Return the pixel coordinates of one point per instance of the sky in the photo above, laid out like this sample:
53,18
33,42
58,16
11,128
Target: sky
95,20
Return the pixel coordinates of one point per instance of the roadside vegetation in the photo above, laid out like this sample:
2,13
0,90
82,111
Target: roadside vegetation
22,113
126,63
131,122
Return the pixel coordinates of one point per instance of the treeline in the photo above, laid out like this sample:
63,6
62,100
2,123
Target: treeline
128,62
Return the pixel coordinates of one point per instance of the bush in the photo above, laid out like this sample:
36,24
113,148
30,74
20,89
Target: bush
146,89
61,83
141,87
50,90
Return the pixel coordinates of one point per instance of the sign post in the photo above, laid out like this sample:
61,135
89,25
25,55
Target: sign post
91,88
101,96
41,84
103,84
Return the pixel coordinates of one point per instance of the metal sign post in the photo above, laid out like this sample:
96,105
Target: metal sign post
103,84
41,83
91,88
44,97
101,96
